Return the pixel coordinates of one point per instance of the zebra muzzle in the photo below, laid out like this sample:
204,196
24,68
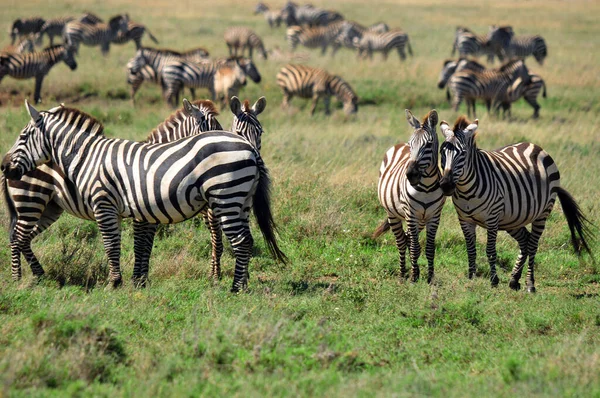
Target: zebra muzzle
447,185
10,172
412,174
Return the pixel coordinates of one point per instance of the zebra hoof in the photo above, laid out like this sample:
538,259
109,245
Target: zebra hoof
117,283
514,285
531,289
495,281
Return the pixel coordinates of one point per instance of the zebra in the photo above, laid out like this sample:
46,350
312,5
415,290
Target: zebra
100,34
227,82
468,43
308,15
134,32
273,18
145,74
306,82
409,190
37,64
240,37
529,92
314,37
506,189
382,42
352,29
37,200
489,85
25,45
52,27
116,179
24,27
89,18
518,46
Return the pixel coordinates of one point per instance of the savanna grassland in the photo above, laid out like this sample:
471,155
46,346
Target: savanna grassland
335,321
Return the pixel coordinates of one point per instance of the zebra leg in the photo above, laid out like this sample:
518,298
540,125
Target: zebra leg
39,79
286,99
242,243
216,240
536,107
470,236
432,227
537,228
401,53
412,230
143,241
315,99
401,243
249,52
326,101
109,224
105,48
492,234
521,235
193,92
456,102
230,49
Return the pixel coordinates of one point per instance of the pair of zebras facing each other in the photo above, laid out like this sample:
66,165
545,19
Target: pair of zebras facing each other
192,69
187,166
500,42
502,190
467,79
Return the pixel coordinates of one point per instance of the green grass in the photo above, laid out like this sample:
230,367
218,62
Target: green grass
335,321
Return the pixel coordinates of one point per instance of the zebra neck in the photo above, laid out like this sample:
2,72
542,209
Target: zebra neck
470,177
430,178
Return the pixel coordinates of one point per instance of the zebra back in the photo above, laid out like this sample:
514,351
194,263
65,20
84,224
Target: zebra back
25,26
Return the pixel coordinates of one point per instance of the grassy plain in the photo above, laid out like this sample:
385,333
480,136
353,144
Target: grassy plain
335,321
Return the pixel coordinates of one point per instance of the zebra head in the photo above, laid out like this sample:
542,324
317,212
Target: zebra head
456,150
423,145
119,23
31,149
68,57
136,63
447,71
250,69
261,8
245,122
204,112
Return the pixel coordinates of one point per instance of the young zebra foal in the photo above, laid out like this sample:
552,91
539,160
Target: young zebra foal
506,189
409,190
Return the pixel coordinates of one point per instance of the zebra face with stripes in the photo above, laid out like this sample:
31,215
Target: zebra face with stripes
423,145
138,62
245,121
31,149
455,152
447,71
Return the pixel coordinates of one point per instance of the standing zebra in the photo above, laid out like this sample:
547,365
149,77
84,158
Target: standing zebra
467,43
518,46
384,43
37,64
227,82
409,190
315,37
151,183
100,34
506,189
53,196
272,17
306,82
529,92
52,27
24,27
352,29
240,38
134,32
308,15
489,85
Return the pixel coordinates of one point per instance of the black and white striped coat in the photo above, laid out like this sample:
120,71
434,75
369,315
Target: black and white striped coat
25,45
504,190
135,32
100,34
371,42
25,27
35,65
409,191
240,38
468,43
273,17
293,14
314,37
528,91
352,29
307,82
52,27
151,183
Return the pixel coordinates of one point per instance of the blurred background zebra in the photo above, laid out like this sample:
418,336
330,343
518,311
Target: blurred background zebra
242,38
371,42
100,34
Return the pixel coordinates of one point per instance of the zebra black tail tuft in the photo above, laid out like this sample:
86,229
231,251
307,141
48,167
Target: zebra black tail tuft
579,225
383,228
10,206
409,47
151,36
544,92
263,214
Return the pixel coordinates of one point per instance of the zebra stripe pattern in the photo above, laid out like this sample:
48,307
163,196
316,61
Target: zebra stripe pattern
306,82
468,43
135,32
24,46
384,43
315,37
228,81
117,179
52,27
409,190
513,46
24,27
308,15
37,64
100,34
242,38
505,190
273,17
529,92
352,29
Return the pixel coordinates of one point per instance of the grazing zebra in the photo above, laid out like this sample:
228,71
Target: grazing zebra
151,183
24,27
529,92
383,43
352,29
24,46
506,189
134,32
467,43
451,67
52,27
37,64
308,15
272,17
489,85
240,38
314,37
227,82
39,198
409,190
100,34
306,82
145,74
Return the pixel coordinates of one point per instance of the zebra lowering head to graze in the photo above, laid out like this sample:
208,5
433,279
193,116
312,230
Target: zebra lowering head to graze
505,190
37,64
315,37
100,34
273,17
24,27
306,82
242,38
409,190
529,92
382,42
151,183
53,196
135,32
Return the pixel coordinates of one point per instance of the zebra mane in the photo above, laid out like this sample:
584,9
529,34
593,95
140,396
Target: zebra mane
460,124
95,127
206,106
161,50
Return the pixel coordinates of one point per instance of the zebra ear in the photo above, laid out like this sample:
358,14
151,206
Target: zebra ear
259,105
432,119
412,120
33,113
471,129
235,105
189,109
446,129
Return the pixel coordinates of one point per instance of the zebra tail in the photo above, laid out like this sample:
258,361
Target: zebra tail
448,93
383,228
263,214
409,47
578,223
151,36
10,206
544,92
